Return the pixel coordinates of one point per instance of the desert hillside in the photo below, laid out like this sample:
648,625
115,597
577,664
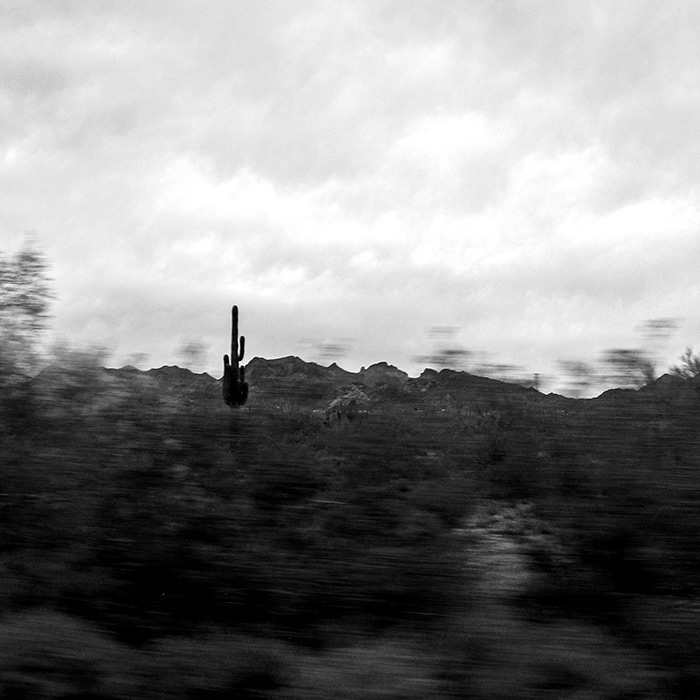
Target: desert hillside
384,536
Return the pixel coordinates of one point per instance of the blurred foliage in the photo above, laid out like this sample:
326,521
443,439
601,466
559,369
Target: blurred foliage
159,547
465,538
627,368
579,376
447,351
24,302
192,353
688,367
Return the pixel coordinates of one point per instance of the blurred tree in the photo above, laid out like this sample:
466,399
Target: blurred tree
580,376
137,359
505,372
628,368
193,353
447,353
24,303
657,331
689,365
622,367
328,349
636,367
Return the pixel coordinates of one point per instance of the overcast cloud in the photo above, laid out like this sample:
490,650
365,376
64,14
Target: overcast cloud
359,172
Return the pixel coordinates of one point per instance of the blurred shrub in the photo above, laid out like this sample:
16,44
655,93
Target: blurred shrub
45,654
24,301
217,665
501,657
386,669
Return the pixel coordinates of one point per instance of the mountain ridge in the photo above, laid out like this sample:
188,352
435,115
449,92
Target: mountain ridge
312,383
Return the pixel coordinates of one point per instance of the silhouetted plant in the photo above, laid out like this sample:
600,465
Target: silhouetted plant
235,385
24,301
688,367
628,368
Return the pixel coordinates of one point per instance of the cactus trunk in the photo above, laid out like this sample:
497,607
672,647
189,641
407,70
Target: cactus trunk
235,386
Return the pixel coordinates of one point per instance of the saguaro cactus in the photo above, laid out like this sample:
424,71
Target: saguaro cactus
235,385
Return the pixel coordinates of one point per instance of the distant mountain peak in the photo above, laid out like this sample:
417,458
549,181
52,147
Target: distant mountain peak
381,372
260,368
291,365
172,371
667,380
427,373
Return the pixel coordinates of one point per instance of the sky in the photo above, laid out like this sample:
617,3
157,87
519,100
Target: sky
368,180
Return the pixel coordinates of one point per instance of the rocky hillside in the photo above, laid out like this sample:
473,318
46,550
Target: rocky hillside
291,380
440,536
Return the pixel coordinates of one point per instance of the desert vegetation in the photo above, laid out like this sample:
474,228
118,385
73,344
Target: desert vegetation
456,537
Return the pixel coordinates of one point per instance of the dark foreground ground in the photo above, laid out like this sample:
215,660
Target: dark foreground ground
444,537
